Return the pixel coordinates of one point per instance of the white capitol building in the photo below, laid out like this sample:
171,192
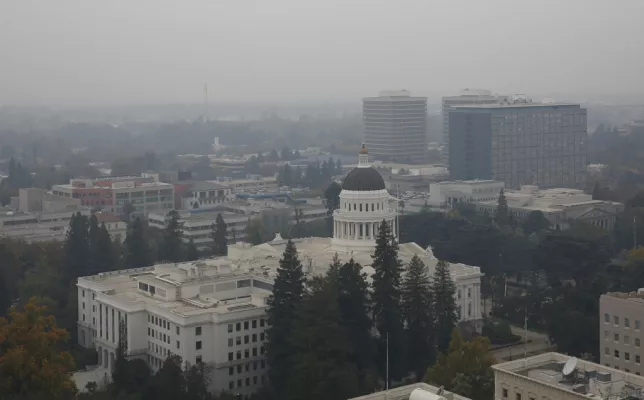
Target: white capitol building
214,310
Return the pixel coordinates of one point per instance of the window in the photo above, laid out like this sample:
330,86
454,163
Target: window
247,381
261,350
255,366
254,337
469,296
239,369
606,351
505,393
246,353
177,330
261,322
627,356
230,356
246,339
239,383
262,336
164,338
245,325
616,353
198,345
637,359
198,331
238,355
238,326
231,385
148,331
198,360
230,328
247,367
230,342
606,318
627,322
231,371
178,345
637,342
254,324
616,337
238,340
627,370
518,396
254,351
83,293
616,320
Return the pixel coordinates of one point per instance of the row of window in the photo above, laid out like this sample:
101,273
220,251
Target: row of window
625,369
247,325
627,355
240,382
627,321
246,367
247,339
517,395
238,355
627,339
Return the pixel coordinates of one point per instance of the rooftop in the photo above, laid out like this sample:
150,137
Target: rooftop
514,105
586,379
470,182
636,297
403,393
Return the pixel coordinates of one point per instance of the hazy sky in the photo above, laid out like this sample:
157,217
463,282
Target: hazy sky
159,51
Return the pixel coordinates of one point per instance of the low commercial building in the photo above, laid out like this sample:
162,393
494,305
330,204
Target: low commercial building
252,184
190,195
445,195
620,326
145,193
560,206
207,311
543,377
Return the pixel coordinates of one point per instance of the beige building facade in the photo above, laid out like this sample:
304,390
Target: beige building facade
620,330
542,377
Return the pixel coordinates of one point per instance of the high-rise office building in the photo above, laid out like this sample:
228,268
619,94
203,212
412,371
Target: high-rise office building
395,126
466,98
519,143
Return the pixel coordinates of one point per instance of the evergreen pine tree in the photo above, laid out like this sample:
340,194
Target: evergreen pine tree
192,254
219,237
76,247
444,305
171,247
288,290
417,304
320,358
137,247
502,216
121,371
92,242
355,308
386,296
104,251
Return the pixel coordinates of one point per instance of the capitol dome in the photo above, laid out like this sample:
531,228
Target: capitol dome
361,179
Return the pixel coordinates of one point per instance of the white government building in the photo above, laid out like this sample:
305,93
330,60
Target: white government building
214,310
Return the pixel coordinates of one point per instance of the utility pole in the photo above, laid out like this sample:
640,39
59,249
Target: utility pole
387,370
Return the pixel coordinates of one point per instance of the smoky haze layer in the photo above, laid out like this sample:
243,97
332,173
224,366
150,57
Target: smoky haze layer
158,51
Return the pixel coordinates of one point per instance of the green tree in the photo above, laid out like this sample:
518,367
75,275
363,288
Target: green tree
536,222
128,210
255,231
288,290
31,363
171,243
465,369
219,237
76,247
417,305
502,216
321,352
169,383
106,257
355,308
332,196
137,247
192,254
444,305
197,378
386,296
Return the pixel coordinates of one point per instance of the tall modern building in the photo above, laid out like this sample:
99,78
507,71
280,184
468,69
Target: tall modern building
466,98
519,143
395,126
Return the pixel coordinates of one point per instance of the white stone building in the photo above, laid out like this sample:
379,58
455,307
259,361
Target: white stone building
445,195
214,310
206,311
560,206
